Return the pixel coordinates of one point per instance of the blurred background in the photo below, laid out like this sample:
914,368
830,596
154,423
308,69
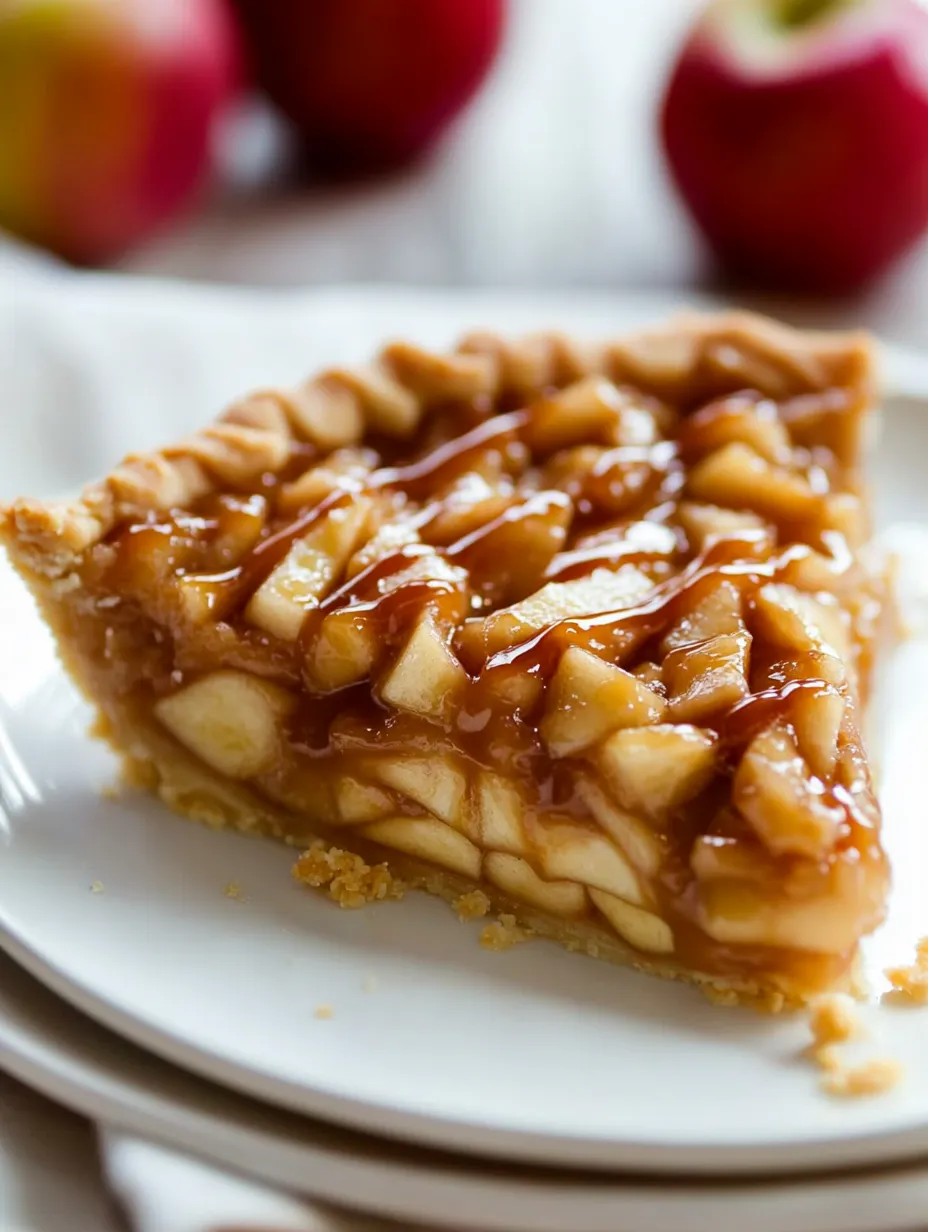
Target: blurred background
777,156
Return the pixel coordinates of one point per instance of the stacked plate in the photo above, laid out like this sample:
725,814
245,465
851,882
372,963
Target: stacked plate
177,983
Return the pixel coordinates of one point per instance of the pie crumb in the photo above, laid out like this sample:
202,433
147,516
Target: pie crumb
233,890
503,934
911,982
370,983
96,887
324,1011
351,881
472,906
873,1077
832,1020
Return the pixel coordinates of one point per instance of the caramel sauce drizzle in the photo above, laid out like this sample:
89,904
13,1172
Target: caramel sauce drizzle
627,484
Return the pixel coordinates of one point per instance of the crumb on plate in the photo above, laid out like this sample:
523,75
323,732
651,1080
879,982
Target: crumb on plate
472,906
832,1020
351,881
233,890
96,887
872,1077
324,1011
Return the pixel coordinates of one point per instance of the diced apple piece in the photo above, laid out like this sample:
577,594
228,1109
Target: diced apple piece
230,720
644,848
817,721
735,419
790,617
582,412
809,665
506,557
708,677
471,502
240,524
774,790
637,425
650,674
601,591
307,572
844,512
831,922
519,690
346,646
816,573
430,840
497,810
427,677
589,698
717,857
651,771
389,538
641,929
703,522
569,852
567,468
715,613
737,477
434,782
198,597
358,801
343,653
517,878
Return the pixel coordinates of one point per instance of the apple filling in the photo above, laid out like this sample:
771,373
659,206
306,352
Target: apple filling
587,629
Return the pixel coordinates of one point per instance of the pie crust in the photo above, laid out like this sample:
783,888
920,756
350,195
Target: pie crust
585,629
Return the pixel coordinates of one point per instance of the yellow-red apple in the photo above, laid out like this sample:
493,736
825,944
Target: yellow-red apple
106,114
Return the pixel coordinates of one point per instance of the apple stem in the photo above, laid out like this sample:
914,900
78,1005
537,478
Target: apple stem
792,14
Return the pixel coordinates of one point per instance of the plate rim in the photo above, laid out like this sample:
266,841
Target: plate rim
357,1173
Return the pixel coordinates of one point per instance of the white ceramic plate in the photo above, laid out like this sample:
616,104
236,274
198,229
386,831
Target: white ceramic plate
75,1062
534,1054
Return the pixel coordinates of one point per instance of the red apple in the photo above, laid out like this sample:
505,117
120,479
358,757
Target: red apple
371,83
797,132
106,114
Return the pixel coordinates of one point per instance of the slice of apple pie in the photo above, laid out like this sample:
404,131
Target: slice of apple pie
580,633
